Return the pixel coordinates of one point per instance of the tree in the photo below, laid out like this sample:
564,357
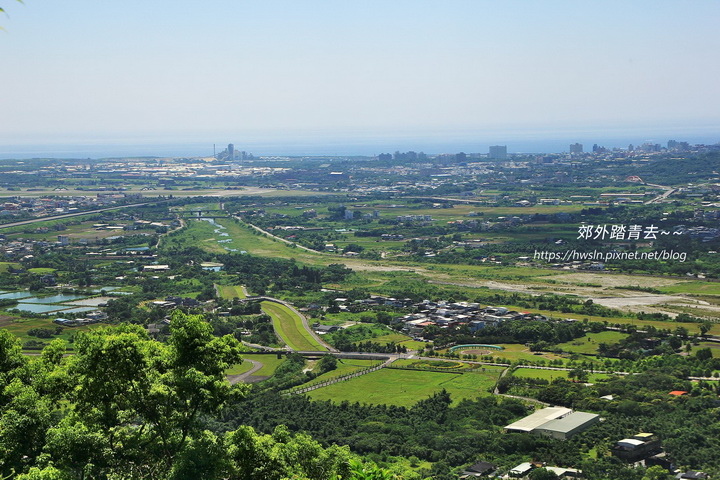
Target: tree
705,327
327,363
542,474
656,472
136,403
126,406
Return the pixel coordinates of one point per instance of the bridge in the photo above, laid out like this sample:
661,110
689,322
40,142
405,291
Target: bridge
203,213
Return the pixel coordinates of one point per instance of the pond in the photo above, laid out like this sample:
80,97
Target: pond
38,307
59,298
15,295
107,289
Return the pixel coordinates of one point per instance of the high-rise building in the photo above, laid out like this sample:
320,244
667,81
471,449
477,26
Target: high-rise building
498,152
576,148
231,151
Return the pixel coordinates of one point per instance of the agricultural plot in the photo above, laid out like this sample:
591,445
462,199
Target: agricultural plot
407,387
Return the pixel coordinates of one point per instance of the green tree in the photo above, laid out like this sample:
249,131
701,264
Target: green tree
136,403
656,472
327,363
542,474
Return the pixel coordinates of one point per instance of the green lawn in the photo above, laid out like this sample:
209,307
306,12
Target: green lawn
41,270
290,328
401,339
590,342
344,367
517,351
551,375
407,387
231,291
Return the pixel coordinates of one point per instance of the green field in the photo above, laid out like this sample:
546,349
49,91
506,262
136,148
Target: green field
401,339
590,342
693,287
290,328
551,375
516,351
231,291
407,387
4,266
344,367
242,237
20,326
41,270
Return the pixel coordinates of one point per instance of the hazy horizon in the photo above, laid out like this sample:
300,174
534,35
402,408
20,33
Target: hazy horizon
337,77
313,146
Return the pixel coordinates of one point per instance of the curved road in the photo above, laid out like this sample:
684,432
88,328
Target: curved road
233,379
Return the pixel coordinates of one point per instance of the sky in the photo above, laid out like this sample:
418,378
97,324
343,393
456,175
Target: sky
338,75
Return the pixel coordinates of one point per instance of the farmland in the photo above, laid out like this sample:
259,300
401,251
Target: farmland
405,387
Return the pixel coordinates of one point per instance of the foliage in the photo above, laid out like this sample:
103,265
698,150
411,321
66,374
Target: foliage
125,406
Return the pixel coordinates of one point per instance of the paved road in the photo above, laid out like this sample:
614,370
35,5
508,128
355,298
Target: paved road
240,378
668,191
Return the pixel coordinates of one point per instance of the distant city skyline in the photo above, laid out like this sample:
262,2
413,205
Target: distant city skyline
319,74
339,147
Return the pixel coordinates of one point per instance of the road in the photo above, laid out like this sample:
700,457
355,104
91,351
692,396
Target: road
668,191
78,214
243,376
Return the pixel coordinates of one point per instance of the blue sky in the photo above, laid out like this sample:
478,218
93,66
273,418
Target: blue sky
265,71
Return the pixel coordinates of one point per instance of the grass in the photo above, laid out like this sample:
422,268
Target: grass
231,291
239,368
516,351
589,343
344,367
41,270
4,266
290,328
551,375
714,348
401,339
407,387
693,287
20,326
269,360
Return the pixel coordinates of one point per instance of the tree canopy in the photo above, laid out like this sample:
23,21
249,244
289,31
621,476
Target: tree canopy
127,407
